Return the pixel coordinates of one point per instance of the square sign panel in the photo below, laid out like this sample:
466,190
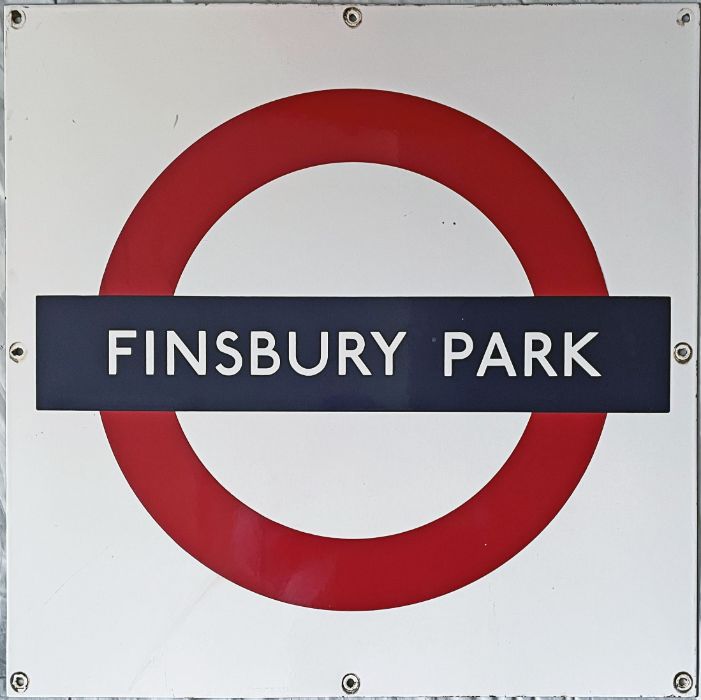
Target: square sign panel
354,350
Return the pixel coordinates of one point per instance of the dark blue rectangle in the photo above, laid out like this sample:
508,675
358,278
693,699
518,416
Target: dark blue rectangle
631,351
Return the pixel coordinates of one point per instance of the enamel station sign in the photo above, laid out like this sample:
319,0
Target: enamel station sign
352,350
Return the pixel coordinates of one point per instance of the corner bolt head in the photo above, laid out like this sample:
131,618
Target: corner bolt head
683,682
19,682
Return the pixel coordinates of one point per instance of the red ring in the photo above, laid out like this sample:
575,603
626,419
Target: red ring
368,126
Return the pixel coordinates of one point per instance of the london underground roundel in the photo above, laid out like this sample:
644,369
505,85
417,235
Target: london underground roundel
534,359
540,225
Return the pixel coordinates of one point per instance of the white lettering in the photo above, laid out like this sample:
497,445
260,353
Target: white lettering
323,353
150,359
388,350
572,354
198,362
226,349
113,350
530,353
345,353
266,350
496,342
450,354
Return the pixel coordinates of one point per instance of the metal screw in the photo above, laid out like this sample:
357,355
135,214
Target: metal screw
19,682
682,353
17,19
683,17
683,682
17,352
352,16
350,684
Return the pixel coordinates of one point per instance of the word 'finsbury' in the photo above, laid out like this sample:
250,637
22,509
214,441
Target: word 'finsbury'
264,359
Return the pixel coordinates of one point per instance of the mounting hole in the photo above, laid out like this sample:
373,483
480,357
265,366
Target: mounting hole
17,352
17,18
684,17
350,683
19,682
352,16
